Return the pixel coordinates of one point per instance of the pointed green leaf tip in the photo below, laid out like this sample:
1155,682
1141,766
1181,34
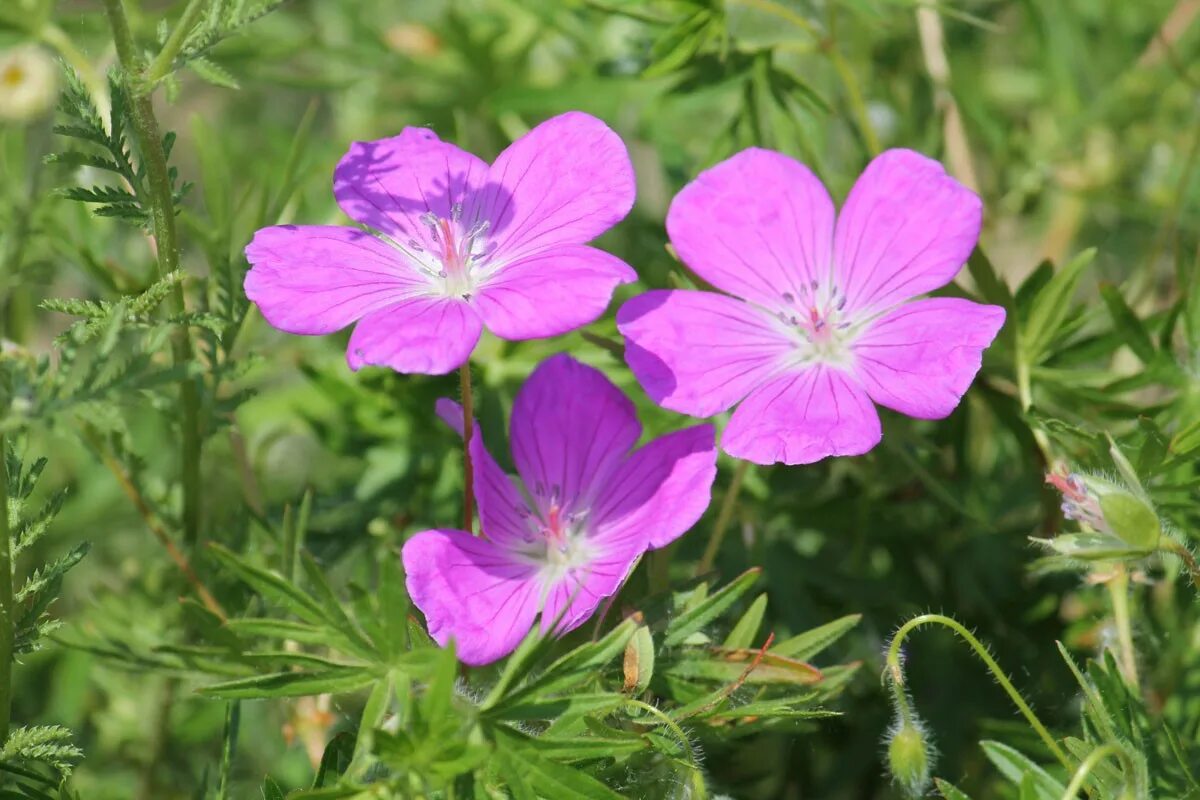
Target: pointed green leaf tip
909,758
1132,520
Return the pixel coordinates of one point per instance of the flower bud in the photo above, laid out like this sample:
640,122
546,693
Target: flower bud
908,756
1123,518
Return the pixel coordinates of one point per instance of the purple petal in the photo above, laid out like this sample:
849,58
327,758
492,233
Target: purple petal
388,184
570,429
582,589
920,358
700,352
757,225
451,413
906,229
472,591
661,491
551,293
315,279
803,417
425,335
503,512
565,182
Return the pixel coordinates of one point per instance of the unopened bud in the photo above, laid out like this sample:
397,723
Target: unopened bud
908,755
1122,516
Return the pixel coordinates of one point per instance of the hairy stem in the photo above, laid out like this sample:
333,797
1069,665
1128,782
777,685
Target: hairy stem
468,407
160,199
1118,592
724,517
7,612
1186,557
896,671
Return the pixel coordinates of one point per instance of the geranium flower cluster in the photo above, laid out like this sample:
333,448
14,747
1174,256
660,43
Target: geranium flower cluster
816,319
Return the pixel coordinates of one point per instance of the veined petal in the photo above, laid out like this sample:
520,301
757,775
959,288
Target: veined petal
387,184
551,292
700,352
921,357
565,182
906,229
425,335
582,589
660,491
314,279
803,417
570,429
473,591
503,512
757,225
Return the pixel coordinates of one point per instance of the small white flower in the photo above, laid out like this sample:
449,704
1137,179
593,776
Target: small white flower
28,82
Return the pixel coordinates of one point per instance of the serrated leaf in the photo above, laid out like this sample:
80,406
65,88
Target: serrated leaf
213,73
710,608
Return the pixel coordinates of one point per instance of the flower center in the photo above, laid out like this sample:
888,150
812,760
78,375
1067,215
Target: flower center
818,316
13,76
453,252
556,534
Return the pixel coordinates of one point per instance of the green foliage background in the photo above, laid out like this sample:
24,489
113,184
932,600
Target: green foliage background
1077,120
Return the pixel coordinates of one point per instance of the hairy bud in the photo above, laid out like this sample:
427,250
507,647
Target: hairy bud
909,756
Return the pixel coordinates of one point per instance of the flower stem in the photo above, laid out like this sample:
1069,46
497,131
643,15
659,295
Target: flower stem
1118,591
468,407
160,199
7,612
1187,558
896,671
724,517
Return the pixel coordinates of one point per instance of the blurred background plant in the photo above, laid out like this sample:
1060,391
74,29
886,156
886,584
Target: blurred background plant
208,458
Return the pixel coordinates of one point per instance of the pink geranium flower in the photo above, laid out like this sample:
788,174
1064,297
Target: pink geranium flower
822,320
567,533
453,245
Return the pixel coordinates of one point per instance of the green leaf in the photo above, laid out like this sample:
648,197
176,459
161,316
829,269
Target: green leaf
270,790
1050,307
1133,333
1018,768
710,608
213,73
294,684
744,631
949,791
547,777
271,585
804,646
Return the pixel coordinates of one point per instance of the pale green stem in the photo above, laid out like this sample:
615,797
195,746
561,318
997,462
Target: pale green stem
1118,591
7,612
1089,763
896,670
468,407
165,60
724,517
161,202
